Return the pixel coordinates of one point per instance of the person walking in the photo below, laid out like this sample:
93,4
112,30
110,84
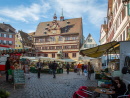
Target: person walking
82,69
89,69
54,68
79,68
7,67
67,67
39,66
61,67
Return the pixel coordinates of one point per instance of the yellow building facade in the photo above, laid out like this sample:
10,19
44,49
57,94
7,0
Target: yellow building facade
18,44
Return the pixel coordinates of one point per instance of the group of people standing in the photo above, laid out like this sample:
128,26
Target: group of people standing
87,68
52,66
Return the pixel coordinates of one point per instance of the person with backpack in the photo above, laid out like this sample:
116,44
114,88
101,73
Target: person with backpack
39,66
54,68
67,67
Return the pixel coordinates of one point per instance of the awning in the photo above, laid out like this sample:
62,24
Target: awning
4,46
99,50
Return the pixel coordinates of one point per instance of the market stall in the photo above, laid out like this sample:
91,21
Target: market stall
119,65
16,73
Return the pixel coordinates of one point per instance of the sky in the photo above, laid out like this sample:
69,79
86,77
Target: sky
25,15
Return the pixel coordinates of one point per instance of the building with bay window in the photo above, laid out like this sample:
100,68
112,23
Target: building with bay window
59,38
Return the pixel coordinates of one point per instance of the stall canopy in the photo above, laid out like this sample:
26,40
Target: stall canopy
68,60
99,50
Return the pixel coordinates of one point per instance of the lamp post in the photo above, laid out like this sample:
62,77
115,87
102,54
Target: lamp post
125,2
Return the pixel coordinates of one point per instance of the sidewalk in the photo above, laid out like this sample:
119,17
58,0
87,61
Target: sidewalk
47,87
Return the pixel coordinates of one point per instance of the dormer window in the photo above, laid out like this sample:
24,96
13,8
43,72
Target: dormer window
7,30
45,32
68,22
66,29
46,28
47,24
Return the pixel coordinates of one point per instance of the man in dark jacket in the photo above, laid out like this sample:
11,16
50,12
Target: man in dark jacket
67,67
7,67
39,66
54,67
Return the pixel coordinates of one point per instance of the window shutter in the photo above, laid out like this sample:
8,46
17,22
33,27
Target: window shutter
128,6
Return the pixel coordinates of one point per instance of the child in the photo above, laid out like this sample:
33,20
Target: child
85,72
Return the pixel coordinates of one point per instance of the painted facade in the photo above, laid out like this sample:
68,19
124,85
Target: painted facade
18,43
59,38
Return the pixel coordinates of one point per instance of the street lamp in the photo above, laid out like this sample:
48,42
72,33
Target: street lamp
125,1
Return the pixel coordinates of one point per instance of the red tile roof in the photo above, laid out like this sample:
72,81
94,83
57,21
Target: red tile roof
73,26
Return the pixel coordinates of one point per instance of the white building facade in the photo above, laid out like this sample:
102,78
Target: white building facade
103,32
118,21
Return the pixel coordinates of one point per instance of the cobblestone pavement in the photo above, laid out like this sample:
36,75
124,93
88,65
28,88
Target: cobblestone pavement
63,86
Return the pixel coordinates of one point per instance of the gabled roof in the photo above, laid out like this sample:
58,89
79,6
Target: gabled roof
25,37
74,26
104,26
91,37
31,34
1,30
7,28
86,41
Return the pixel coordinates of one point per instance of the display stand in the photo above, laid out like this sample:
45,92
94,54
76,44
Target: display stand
19,78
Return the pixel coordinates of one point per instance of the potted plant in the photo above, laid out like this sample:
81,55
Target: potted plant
4,94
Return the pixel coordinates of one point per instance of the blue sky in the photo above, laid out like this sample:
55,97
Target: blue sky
27,14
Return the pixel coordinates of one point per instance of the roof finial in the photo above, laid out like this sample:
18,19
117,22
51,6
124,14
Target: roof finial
55,17
62,17
62,12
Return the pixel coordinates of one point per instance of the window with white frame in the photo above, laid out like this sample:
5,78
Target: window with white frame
10,42
4,42
89,40
10,36
60,38
4,35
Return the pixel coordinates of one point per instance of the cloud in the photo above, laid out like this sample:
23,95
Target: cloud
26,14
4,20
30,31
88,9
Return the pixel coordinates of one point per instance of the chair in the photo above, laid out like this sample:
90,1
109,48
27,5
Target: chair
127,93
124,96
80,94
83,88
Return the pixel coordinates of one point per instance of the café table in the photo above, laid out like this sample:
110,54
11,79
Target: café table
104,91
